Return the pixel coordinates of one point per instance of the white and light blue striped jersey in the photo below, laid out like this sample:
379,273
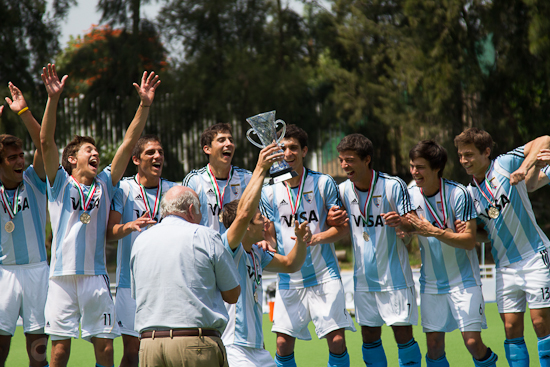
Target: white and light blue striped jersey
319,194
26,244
129,202
382,262
515,234
445,268
79,248
245,317
199,181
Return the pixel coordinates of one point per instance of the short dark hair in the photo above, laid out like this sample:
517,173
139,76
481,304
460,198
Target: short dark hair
138,149
358,143
72,148
229,213
6,141
480,138
293,131
434,153
208,135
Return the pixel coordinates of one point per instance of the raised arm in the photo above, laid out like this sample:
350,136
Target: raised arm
530,151
295,259
54,87
18,105
250,199
146,93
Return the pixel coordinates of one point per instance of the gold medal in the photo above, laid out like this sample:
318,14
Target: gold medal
493,212
85,218
256,297
366,236
9,226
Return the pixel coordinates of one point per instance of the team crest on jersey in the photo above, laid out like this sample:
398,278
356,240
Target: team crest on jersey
377,200
236,189
493,184
308,196
439,206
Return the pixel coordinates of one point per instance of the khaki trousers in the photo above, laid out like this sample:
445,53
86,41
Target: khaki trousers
188,351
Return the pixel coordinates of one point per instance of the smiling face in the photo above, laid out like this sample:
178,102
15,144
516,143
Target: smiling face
86,162
150,161
357,170
294,153
424,176
474,162
221,149
12,166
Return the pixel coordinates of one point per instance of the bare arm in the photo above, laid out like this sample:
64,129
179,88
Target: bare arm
248,204
331,235
231,296
54,87
465,239
146,93
116,231
531,151
295,259
17,104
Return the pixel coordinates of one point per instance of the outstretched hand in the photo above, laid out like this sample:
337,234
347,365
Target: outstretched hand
147,88
53,85
141,222
17,103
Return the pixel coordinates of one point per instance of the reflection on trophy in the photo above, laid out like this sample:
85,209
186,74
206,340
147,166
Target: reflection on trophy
265,126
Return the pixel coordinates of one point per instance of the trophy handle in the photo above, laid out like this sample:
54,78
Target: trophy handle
279,121
251,140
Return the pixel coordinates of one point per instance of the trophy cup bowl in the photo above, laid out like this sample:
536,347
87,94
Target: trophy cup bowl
265,127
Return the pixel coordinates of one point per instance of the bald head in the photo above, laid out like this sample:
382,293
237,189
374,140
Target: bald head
181,201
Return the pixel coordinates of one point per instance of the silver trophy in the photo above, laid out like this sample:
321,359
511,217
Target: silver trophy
265,127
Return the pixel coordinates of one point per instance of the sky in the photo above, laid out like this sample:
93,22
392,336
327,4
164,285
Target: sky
82,16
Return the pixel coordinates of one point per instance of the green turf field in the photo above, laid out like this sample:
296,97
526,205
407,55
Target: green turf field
315,352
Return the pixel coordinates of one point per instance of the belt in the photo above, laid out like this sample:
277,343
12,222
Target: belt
179,332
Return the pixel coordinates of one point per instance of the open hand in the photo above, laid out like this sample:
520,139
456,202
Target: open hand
53,85
147,88
17,103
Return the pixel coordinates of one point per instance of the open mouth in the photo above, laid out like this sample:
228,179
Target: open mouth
18,171
350,173
157,165
227,153
93,162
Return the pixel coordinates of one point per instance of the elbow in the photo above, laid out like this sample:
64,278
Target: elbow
232,296
470,245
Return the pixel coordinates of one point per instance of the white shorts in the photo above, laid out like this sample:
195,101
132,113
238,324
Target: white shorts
23,290
324,304
239,356
125,309
525,281
463,309
393,308
84,299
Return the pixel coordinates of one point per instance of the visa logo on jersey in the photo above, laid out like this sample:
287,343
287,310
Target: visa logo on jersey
300,217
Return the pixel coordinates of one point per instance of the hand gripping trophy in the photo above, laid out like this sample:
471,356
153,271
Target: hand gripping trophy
265,127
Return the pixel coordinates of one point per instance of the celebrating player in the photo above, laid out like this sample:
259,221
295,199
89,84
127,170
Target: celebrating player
306,197
376,203
219,182
79,203
136,206
23,259
450,283
243,336
519,246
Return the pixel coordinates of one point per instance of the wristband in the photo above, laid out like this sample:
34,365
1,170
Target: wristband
22,111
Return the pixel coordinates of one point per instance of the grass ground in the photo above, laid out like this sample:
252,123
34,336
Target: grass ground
315,352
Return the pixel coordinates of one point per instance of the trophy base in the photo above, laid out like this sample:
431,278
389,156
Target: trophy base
283,175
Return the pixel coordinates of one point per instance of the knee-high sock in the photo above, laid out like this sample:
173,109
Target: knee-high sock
338,360
440,362
286,361
409,354
516,352
489,360
544,351
374,355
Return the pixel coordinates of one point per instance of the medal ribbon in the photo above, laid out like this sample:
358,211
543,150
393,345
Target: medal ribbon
84,202
214,182
295,204
441,223
364,212
487,186
152,213
256,278
12,210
